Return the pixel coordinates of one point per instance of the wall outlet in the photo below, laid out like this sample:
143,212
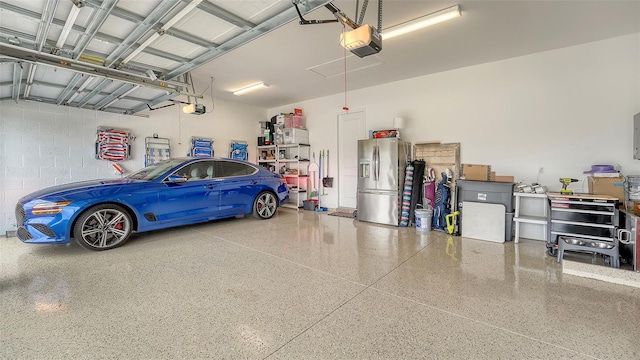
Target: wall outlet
540,170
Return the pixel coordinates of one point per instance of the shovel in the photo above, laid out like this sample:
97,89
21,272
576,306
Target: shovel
327,181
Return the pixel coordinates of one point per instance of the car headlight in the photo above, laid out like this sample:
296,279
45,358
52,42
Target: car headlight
48,208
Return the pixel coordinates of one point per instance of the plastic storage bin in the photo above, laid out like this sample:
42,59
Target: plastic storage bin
296,136
310,204
295,122
488,192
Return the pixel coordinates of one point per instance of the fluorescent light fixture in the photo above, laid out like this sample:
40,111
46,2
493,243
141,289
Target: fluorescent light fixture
187,9
86,83
128,91
32,72
152,75
73,97
71,19
121,96
192,5
142,46
110,103
248,89
422,22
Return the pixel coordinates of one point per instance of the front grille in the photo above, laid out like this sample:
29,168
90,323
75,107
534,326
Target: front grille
20,213
44,229
23,234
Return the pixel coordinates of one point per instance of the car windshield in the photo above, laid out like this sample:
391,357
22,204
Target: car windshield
154,171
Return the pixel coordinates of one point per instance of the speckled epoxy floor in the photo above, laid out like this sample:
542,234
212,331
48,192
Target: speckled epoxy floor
304,286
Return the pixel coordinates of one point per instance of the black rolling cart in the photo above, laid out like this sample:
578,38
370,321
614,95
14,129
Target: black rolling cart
583,223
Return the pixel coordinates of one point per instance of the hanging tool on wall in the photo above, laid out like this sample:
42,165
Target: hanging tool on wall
320,208
324,183
320,175
327,181
313,169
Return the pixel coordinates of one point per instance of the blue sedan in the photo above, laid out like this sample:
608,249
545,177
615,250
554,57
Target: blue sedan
102,214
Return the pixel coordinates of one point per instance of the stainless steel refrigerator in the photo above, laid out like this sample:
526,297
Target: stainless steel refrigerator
381,167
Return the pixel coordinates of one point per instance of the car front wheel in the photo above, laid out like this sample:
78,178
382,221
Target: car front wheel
103,227
265,205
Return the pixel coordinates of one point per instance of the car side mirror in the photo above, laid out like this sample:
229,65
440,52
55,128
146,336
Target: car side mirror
176,179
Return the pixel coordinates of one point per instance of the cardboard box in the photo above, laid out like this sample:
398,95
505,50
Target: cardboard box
504,178
612,186
500,178
476,172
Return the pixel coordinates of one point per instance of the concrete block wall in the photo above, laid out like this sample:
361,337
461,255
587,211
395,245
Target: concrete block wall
43,145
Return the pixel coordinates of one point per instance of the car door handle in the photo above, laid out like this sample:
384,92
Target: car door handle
210,186
253,182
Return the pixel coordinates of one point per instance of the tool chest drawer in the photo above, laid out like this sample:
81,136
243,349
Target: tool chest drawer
597,217
577,206
605,231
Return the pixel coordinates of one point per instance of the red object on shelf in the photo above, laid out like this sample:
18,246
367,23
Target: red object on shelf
379,134
297,112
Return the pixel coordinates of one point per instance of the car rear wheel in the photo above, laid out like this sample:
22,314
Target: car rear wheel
103,227
265,205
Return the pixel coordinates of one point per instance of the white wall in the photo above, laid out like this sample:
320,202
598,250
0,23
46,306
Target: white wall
43,145
562,110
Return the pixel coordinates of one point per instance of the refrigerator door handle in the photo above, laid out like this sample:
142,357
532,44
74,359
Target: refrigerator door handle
376,156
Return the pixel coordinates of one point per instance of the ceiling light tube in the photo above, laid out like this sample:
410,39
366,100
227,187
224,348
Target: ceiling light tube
71,19
32,72
187,9
142,46
72,97
128,92
86,83
248,89
421,22
110,103
192,5
121,96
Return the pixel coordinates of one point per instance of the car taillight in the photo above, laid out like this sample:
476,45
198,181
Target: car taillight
48,208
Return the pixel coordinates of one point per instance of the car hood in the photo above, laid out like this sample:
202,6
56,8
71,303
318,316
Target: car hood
64,190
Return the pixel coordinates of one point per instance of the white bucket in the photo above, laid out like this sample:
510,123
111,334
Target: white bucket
423,219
